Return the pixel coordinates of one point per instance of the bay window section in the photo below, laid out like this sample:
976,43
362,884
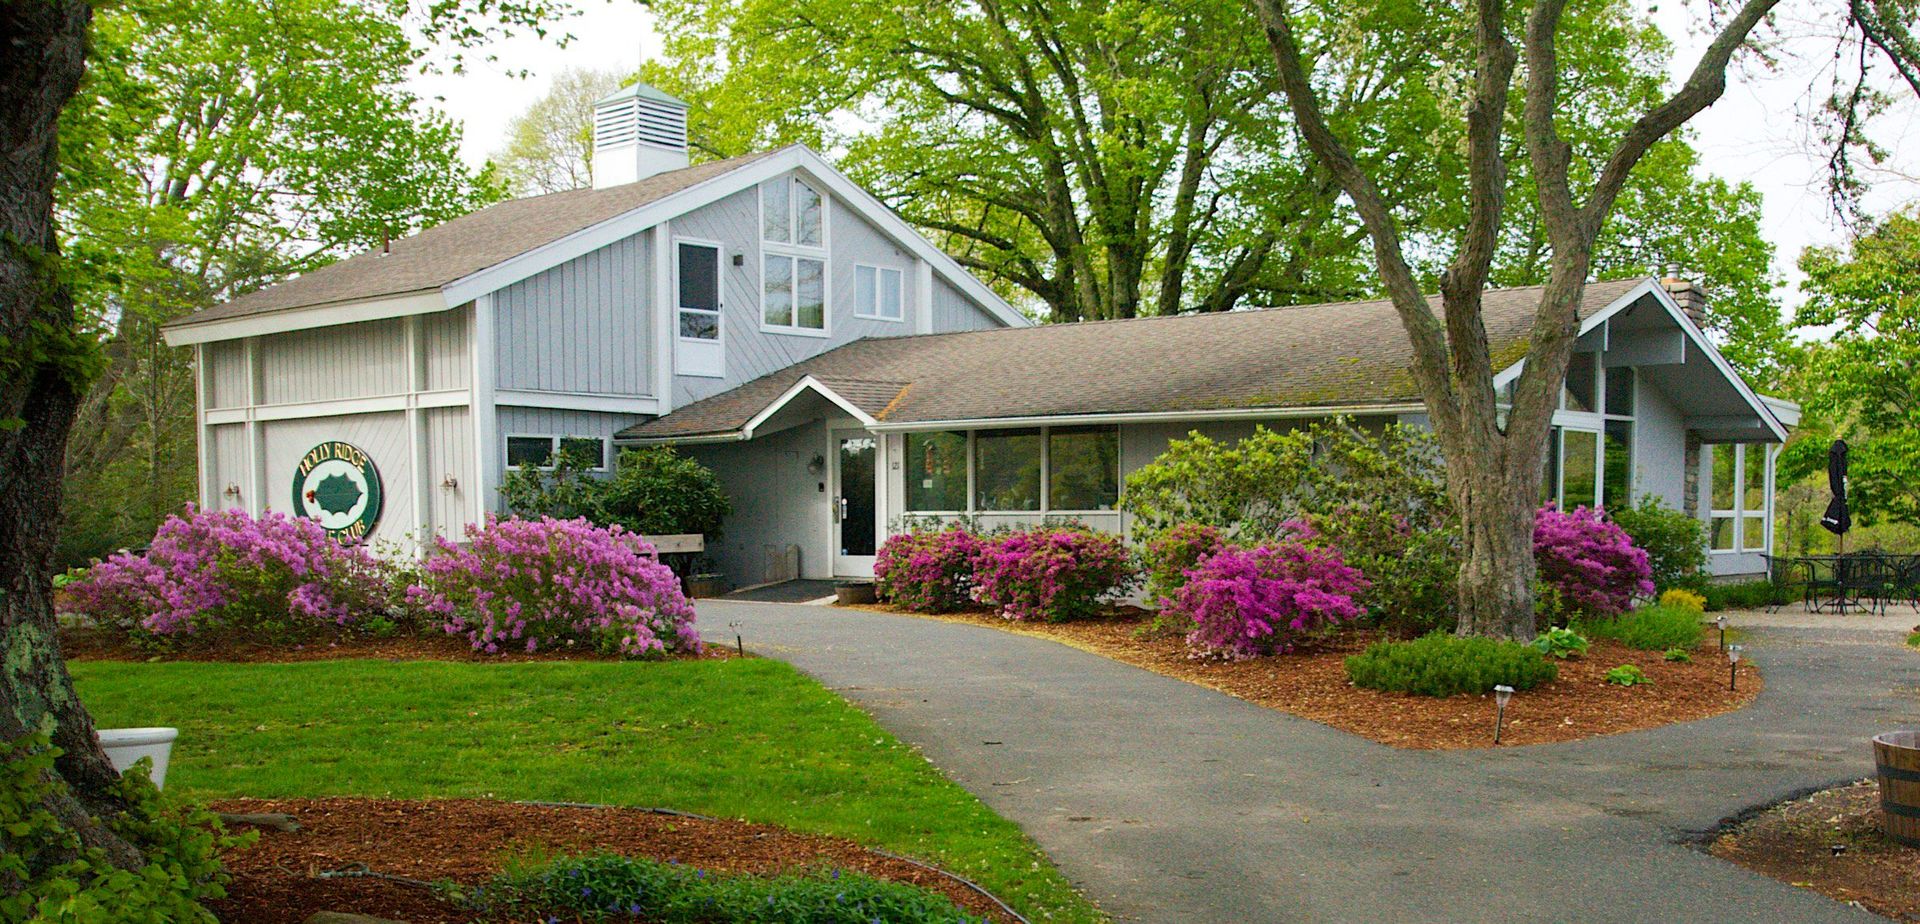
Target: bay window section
936,472
1737,497
1006,473
1032,470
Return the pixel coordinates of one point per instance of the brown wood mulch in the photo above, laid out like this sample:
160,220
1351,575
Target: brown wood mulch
1312,684
1795,843
466,841
87,644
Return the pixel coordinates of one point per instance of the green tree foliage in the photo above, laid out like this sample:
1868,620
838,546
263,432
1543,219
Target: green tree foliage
1100,160
653,491
218,146
1868,373
550,146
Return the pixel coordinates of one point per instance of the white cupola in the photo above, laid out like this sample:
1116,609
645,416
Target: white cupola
638,131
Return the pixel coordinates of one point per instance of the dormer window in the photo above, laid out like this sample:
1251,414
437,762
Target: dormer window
793,259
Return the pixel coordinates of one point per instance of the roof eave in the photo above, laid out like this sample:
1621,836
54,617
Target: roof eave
188,332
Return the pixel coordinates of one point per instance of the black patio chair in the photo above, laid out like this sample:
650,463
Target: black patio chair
1819,584
1906,580
1866,578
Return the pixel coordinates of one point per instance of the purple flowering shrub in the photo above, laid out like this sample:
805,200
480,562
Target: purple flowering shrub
225,576
1589,562
533,584
1170,555
927,571
1246,602
1051,573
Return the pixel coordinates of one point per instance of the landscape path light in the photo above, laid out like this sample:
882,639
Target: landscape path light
1733,664
1722,623
1501,694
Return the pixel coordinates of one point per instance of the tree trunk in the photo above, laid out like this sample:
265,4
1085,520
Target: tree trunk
1497,566
43,374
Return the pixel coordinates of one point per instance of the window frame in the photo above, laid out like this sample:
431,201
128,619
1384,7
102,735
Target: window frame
873,313
1738,514
793,252
553,451
1567,419
1046,507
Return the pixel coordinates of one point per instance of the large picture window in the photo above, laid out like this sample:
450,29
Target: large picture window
1737,495
1042,469
793,264
794,292
1590,456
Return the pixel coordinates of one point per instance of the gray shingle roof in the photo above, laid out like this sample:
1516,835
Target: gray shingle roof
1350,354
465,245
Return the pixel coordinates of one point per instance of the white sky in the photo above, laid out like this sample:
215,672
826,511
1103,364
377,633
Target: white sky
1756,133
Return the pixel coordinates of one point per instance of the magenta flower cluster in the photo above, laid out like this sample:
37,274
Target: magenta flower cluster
926,571
1590,560
1246,602
225,573
1050,573
533,584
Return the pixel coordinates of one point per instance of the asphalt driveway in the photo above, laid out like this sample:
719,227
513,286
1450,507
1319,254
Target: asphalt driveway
1170,802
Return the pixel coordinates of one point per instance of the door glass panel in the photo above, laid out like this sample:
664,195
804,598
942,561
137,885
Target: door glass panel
856,492
1619,471
1722,534
1007,470
700,325
1754,539
1579,471
936,472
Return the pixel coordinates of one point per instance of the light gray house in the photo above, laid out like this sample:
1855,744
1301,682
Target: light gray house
843,376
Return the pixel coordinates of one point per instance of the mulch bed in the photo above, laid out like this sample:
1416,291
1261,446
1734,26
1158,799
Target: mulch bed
466,840
1794,842
88,644
1312,684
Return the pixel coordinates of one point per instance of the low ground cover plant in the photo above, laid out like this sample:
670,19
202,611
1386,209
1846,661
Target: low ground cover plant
219,576
927,571
1650,628
1247,602
608,887
1051,573
536,584
1627,675
1589,561
1678,655
1440,664
1914,639
1560,643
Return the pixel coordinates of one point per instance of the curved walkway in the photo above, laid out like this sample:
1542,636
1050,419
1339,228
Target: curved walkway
1170,802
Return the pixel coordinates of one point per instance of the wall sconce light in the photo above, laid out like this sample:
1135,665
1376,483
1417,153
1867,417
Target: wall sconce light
1501,694
233,490
450,482
817,464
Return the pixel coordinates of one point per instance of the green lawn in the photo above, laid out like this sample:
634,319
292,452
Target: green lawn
750,739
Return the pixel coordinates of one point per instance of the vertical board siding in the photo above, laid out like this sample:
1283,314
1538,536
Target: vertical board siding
347,361
953,311
581,326
777,503
382,436
227,453
450,454
226,373
448,365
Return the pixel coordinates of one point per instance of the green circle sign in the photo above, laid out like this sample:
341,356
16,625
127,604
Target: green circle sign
337,486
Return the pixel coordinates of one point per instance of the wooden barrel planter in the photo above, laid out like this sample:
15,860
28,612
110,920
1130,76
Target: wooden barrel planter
1896,756
853,593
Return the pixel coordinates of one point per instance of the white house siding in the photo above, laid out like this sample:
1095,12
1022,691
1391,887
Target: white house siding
348,361
1659,448
226,373
953,311
777,504
582,327
447,363
449,457
227,453
734,222
382,436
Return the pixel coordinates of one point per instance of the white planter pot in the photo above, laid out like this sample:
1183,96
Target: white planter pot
124,746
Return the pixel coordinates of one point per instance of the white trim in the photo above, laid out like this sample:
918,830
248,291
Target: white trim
485,415
336,407
878,270
922,296
1251,413
200,432
577,401
663,319
304,317
806,383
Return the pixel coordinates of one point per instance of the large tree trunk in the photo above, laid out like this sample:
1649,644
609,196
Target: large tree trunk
43,374
1497,565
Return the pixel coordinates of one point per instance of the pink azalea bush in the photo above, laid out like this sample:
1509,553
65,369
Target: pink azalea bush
225,575
533,584
1050,573
1589,561
1169,556
1246,602
927,571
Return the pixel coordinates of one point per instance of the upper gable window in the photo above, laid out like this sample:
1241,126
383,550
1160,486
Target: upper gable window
791,212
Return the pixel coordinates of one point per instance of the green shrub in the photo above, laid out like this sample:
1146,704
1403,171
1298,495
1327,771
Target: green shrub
1650,628
1443,665
1627,675
1166,558
1675,543
605,887
1747,595
1685,599
1679,655
653,491
47,874
1560,643
1914,639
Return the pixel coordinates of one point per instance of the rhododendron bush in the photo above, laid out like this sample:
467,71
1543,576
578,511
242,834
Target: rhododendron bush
1172,553
927,571
534,584
1050,573
223,575
1246,602
1589,561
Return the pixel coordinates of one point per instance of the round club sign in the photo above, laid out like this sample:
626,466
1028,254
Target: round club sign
337,486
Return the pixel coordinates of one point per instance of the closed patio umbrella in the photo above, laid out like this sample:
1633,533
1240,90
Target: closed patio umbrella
1836,519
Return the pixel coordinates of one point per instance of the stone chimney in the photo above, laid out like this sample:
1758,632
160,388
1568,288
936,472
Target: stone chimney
637,132
1687,295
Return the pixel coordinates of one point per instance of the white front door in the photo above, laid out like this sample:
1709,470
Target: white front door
856,516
